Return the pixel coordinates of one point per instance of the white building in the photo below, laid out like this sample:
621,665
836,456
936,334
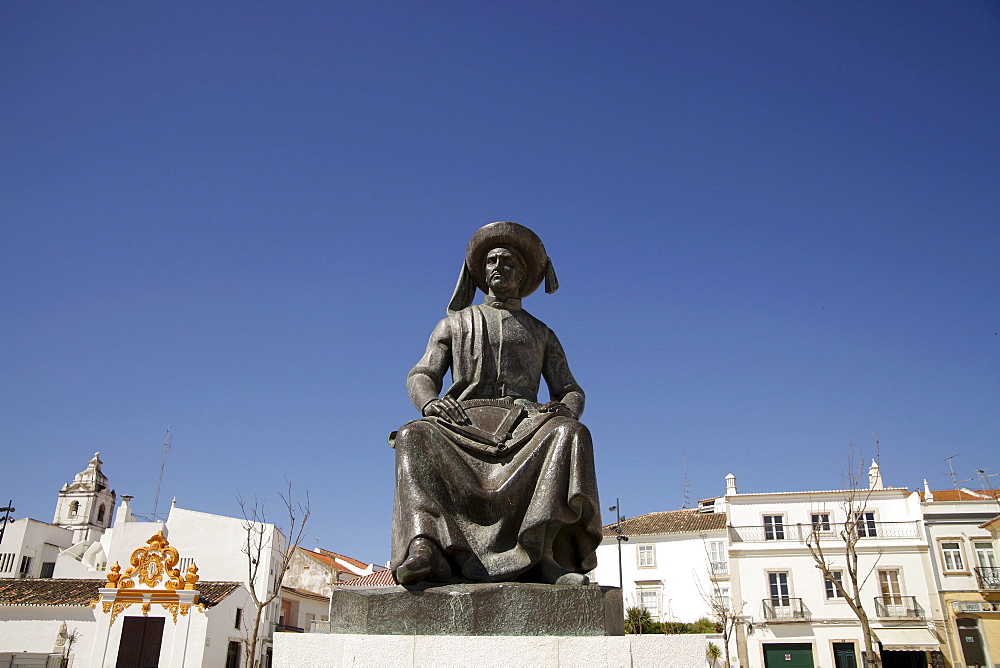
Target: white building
81,555
797,618
965,575
670,563
30,548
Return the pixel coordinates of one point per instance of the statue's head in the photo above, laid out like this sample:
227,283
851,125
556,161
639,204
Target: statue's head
509,254
504,271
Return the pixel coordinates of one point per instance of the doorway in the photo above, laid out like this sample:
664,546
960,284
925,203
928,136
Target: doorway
140,643
844,656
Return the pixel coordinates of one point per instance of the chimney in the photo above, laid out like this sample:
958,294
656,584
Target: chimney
874,477
928,494
731,485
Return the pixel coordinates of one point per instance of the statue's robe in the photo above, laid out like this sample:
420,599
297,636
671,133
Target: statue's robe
516,487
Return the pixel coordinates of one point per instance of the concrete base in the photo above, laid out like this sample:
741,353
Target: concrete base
498,609
320,650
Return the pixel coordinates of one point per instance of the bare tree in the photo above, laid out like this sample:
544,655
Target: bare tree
725,612
855,527
265,559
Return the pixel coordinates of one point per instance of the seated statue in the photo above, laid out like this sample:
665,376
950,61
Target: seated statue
491,485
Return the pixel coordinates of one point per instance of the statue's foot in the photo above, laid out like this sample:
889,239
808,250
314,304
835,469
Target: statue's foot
424,561
549,572
572,579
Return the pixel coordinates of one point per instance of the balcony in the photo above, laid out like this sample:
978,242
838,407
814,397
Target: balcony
784,610
800,532
287,628
988,576
898,607
720,569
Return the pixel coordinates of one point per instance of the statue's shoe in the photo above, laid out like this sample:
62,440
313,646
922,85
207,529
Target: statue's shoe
548,571
424,561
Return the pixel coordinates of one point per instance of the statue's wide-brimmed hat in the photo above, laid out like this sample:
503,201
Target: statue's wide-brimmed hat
507,235
503,234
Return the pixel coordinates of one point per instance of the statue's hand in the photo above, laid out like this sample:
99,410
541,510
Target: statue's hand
448,409
558,408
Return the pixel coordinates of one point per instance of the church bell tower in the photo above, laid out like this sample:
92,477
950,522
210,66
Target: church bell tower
86,505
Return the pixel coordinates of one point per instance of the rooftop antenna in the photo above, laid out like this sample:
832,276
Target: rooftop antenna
166,447
984,480
951,472
687,484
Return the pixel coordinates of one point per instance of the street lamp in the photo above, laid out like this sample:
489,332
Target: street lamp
6,517
620,537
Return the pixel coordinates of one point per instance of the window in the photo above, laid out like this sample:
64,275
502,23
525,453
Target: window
831,589
985,555
777,586
6,562
184,564
821,522
888,582
25,566
74,508
951,554
647,557
866,525
239,617
48,568
722,597
717,557
649,599
774,527
100,513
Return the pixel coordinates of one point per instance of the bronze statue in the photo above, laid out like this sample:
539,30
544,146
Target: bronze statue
492,486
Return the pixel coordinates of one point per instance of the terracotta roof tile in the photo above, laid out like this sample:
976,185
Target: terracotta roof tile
963,494
305,593
376,579
65,591
354,562
669,521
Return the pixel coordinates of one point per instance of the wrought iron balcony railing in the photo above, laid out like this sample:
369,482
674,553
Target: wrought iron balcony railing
801,532
898,607
988,576
784,609
720,568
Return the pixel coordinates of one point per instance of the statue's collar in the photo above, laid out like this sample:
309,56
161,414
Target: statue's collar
512,304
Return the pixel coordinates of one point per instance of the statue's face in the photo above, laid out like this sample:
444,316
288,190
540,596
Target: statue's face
503,272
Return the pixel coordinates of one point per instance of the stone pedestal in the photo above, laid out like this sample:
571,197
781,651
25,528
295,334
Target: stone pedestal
331,650
501,609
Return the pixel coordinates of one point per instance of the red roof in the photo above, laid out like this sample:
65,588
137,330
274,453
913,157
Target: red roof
67,591
376,579
963,494
353,562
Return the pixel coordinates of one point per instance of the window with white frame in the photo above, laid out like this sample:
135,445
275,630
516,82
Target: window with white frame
25,566
985,556
774,527
888,582
951,555
722,596
649,599
866,524
647,556
6,562
777,587
821,522
717,557
831,589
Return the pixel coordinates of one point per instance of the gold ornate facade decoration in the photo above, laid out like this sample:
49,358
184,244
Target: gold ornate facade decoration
152,563
154,567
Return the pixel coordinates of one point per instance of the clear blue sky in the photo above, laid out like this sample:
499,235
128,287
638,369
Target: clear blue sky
775,225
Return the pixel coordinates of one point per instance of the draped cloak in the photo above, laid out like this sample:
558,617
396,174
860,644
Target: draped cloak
518,485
